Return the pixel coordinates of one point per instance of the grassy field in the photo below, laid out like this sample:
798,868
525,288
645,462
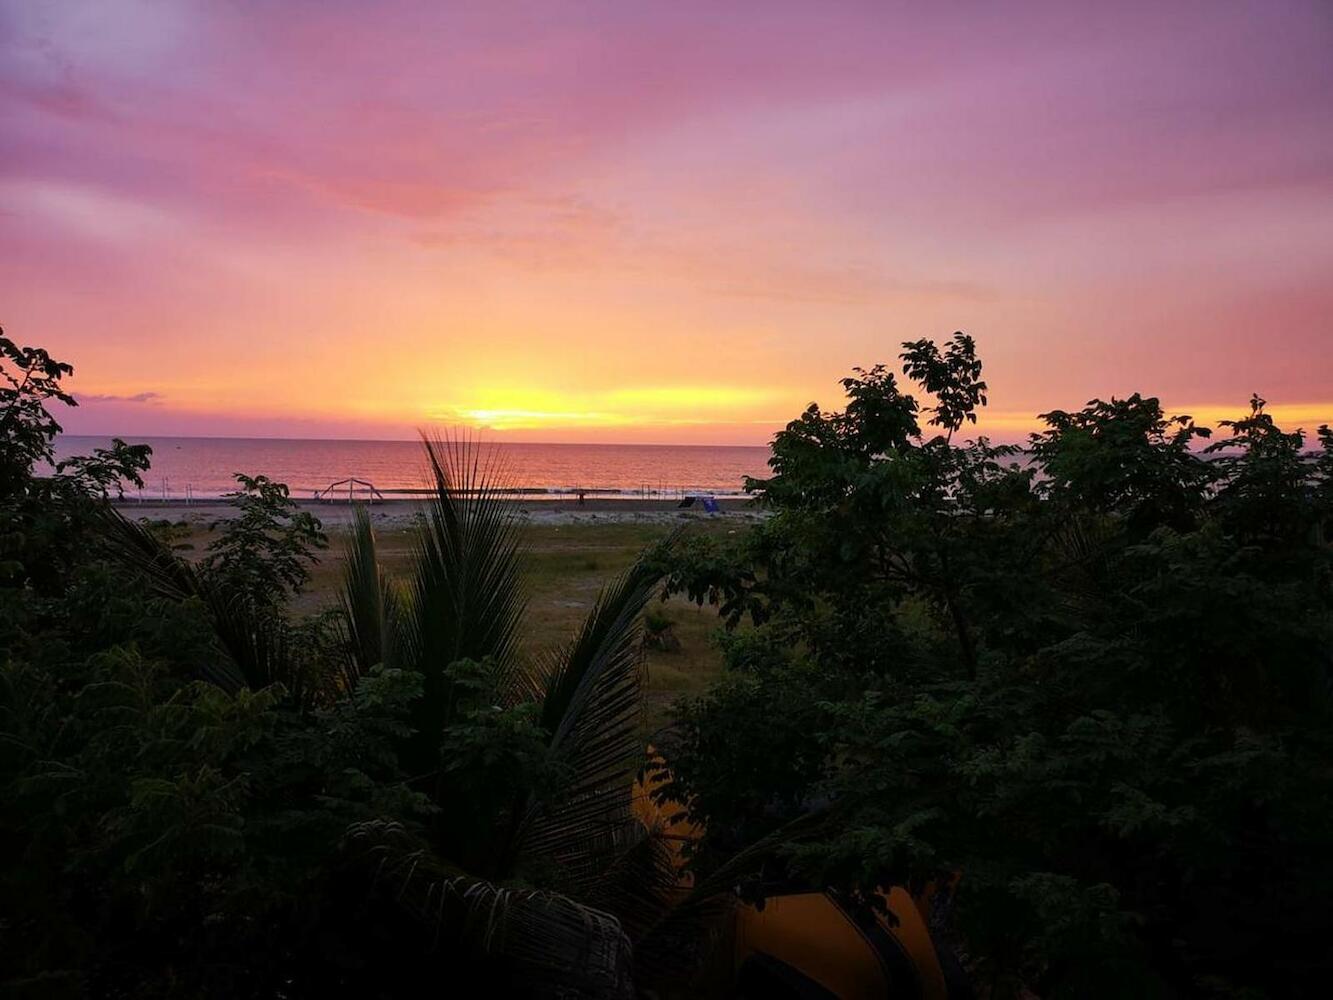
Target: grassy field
566,565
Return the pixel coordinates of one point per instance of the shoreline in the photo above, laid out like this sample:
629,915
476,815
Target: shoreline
401,512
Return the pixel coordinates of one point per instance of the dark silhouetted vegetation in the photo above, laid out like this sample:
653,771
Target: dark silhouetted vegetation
1080,695
1075,697
207,795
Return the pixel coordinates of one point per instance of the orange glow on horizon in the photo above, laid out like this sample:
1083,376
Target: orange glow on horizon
665,406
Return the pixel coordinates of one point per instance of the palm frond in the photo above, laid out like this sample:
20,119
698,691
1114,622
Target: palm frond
466,590
639,882
255,643
1081,550
671,947
592,707
545,942
138,549
370,603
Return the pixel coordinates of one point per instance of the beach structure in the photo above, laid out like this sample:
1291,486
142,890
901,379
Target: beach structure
334,491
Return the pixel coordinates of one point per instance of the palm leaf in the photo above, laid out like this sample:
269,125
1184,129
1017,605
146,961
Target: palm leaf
463,598
592,708
370,604
255,643
546,942
673,945
1080,550
639,882
466,594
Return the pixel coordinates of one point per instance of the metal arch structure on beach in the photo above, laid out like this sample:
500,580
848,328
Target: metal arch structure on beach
327,494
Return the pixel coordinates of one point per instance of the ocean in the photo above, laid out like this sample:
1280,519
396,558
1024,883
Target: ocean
204,467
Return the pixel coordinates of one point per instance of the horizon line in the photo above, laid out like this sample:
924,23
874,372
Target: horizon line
130,438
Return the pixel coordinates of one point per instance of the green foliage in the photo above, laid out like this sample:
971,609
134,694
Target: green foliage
263,551
205,795
106,469
655,622
165,836
40,516
1125,457
493,750
1084,698
31,378
1263,494
1087,698
953,377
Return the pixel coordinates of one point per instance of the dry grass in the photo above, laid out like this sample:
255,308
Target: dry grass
566,565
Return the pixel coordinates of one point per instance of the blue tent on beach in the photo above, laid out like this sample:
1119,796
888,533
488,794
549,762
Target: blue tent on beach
709,503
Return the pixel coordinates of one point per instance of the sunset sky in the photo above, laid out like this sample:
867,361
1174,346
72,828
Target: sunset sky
665,221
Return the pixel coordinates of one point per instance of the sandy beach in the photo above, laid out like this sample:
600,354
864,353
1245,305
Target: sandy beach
400,513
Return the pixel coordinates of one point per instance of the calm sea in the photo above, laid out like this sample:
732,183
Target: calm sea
203,467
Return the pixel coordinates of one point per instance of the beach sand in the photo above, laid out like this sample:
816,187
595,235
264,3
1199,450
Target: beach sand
569,553
401,513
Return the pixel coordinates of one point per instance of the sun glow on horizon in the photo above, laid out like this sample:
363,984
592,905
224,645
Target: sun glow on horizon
662,406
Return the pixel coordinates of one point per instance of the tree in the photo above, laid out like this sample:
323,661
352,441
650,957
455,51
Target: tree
1084,704
496,820
869,509
1263,492
265,548
1125,457
31,379
543,754
38,514
207,794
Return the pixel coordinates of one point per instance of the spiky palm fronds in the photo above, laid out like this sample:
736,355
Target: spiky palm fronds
467,597
549,943
678,938
638,882
591,705
370,603
464,597
1080,550
589,692
255,642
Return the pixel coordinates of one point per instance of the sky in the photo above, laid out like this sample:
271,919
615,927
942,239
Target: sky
670,222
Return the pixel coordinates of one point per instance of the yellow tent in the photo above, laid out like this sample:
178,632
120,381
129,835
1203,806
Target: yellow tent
804,944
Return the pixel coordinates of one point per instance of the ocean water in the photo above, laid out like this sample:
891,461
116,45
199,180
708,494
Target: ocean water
204,467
